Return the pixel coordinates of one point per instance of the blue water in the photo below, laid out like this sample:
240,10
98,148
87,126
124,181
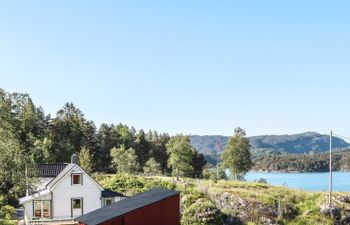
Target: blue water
304,181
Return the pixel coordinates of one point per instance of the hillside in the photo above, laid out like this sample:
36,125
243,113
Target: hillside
236,202
271,144
303,162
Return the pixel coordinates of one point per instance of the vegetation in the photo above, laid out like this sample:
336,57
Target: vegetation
232,202
264,145
7,213
181,154
29,136
86,160
202,212
152,167
125,160
236,156
305,163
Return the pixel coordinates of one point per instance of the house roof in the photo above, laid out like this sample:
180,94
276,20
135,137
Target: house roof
126,205
50,170
108,193
61,175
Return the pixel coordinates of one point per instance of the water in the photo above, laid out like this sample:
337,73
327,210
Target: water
305,181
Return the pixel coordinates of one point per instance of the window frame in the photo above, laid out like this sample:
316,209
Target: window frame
42,210
80,180
108,199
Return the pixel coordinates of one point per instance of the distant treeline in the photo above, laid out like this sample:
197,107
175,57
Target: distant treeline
42,138
303,162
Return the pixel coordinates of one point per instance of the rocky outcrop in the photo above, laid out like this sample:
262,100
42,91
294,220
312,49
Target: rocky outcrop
239,209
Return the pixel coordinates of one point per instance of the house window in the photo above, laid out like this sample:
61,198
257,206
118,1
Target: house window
108,201
76,202
77,179
42,209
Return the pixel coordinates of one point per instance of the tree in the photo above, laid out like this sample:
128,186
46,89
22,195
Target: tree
13,163
152,167
86,160
67,132
158,151
125,161
236,155
107,138
180,155
198,163
141,147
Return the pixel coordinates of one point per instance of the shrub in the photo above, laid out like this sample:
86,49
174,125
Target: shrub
188,199
149,184
202,212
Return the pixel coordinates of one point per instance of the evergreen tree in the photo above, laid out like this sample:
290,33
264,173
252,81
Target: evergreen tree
236,155
141,147
198,163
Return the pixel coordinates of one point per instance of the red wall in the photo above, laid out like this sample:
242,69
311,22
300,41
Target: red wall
165,212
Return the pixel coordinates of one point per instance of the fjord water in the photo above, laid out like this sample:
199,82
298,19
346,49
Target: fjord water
305,181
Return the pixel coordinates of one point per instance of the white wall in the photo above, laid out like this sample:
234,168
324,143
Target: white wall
64,191
28,210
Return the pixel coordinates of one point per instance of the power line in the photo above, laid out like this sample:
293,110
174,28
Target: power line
341,136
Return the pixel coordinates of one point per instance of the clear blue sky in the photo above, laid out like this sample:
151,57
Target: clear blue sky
191,66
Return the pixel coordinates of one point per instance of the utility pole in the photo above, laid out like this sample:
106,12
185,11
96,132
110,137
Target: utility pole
330,169
218,149
26,177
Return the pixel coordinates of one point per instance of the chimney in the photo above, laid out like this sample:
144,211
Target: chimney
74,159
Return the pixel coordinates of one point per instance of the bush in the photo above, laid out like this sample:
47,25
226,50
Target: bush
202,212
7,213
149,184
188,199
124,183
131,185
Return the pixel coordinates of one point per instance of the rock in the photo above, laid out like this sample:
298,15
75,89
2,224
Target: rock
335,213
324,210
307,212
344,199
332,212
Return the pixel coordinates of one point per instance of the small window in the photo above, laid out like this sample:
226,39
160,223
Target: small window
109,201
76,179
76,203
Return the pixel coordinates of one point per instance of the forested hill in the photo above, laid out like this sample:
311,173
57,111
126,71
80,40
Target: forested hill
303,163
271,144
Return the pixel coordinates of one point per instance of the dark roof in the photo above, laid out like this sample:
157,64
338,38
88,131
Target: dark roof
126,205
108,193
50,170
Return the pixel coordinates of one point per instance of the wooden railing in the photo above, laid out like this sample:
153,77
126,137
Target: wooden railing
56,220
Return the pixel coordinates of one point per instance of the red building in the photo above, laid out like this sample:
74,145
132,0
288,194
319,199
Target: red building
154,207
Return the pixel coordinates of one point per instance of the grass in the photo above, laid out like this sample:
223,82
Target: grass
259,194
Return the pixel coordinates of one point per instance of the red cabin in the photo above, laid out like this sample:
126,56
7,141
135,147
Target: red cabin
154,207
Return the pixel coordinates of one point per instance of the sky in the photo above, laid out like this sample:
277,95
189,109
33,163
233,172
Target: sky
186,66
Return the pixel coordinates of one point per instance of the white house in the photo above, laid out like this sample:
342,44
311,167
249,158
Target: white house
65,191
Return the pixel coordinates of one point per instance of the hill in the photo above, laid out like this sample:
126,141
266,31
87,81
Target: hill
237,202
265,145
303,162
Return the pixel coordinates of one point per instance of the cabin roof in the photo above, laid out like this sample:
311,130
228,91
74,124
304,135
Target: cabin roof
125,206
108,193
50,170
